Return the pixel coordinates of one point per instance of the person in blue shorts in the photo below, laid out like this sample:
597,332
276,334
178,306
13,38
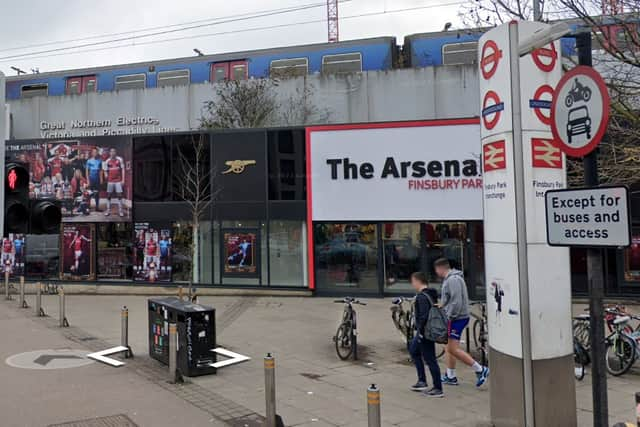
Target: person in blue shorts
18,245
165,245
455,303
94,176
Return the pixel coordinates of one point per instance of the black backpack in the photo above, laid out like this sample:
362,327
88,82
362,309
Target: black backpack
437,327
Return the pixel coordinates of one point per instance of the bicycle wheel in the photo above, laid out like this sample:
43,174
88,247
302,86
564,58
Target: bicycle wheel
621,354
344,346
581,332
580,359
477,326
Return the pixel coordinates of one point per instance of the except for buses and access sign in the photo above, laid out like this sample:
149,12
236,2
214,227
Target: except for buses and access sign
594,217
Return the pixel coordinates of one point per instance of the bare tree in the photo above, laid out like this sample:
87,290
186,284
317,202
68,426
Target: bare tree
616,56
194,184
241,104
262,103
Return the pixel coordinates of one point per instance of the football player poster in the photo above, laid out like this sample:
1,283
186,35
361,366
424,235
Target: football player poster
13,255
90,178
152,257
240,256
77,243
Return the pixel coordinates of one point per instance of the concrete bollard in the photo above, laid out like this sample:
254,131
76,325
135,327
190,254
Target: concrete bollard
23,301
39,310
62,315
174,373
124,331
373,406
270,389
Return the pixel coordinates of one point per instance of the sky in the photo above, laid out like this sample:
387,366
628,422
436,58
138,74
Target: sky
36,22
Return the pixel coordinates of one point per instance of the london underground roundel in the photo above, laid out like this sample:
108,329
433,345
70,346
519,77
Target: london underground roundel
580,111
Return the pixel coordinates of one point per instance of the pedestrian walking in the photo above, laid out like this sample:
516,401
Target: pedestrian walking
455,303
422,350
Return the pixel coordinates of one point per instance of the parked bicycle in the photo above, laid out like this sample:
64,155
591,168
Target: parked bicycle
481,332
405,320
622,347
580,358
346,337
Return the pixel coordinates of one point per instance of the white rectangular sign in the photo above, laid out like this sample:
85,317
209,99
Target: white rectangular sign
396,171
588,217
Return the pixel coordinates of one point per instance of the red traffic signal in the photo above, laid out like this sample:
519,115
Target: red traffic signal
16,178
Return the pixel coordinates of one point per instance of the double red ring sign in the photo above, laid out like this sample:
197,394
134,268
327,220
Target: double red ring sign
491,56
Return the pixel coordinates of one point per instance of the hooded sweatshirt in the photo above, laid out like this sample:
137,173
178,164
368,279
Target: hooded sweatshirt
455,300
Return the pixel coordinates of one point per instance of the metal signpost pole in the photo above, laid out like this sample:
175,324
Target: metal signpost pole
595,276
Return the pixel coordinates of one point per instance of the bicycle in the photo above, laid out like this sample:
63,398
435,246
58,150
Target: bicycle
481,332
404,321
346,336
622,347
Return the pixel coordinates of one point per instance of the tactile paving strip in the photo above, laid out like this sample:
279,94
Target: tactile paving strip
119,420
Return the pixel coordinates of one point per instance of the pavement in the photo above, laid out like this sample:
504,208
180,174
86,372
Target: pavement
314,388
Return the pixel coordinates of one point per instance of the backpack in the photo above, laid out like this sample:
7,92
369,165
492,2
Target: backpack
437,327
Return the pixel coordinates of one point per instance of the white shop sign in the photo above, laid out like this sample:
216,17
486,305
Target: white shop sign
595,217
396,171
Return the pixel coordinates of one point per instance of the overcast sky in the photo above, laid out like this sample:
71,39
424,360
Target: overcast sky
33,22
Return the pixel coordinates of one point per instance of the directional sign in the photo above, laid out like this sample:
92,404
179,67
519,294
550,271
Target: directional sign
491,56
545,154
491,109
580,111
49,359
545,58
540,105
593,217
494,156
100,356
233,358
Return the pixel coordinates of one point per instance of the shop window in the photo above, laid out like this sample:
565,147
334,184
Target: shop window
287,253
115,251
152,168
632,258
283,68
81,84
181,252
131,81
346,257
31,91
174,78
342,63
287,165
191,166
43,255
402,250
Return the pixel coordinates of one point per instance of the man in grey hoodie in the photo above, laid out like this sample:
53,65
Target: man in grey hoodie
455,303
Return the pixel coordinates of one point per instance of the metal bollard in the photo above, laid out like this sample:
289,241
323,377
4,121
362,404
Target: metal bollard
174,373
638,409
23,301
373,406
63,318
7,295
124,328
39,310
180,293
270,389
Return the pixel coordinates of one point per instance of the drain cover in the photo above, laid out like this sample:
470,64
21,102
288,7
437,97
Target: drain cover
119,420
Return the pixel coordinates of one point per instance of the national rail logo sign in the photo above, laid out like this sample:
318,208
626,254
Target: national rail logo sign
491,56
545,58
541,104
545,154
494,156
492,108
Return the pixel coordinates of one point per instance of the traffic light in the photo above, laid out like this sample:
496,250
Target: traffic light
22,215
16,200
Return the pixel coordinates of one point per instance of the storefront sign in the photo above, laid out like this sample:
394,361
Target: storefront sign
595,217
401,171
121,125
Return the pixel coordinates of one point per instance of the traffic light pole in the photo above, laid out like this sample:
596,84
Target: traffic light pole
3,137
595,276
